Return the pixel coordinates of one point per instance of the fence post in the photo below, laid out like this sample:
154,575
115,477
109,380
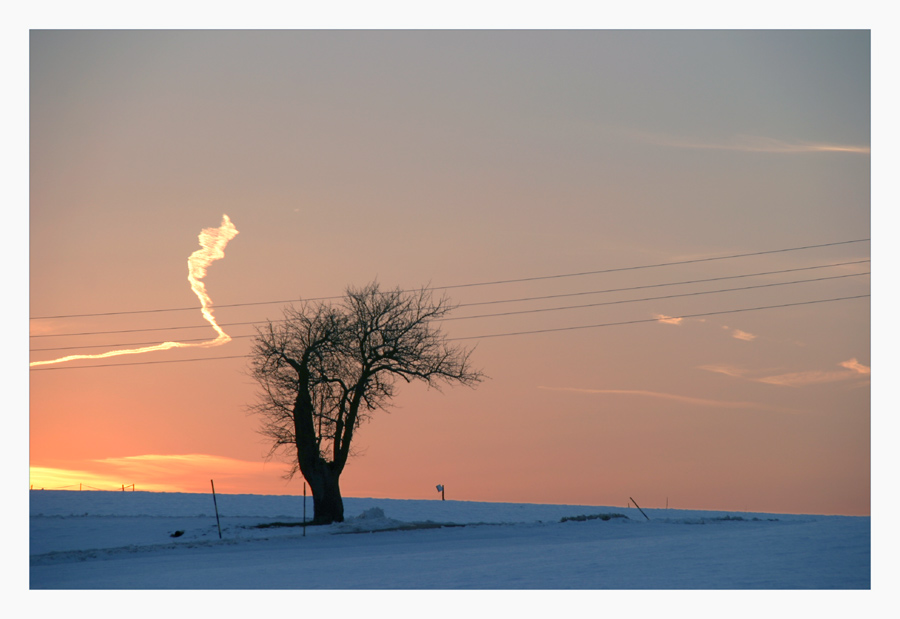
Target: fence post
639,508
216,505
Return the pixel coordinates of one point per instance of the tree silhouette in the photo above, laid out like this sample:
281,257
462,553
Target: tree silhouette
326,368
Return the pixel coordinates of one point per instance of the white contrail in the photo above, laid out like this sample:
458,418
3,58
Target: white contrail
212,242
212,247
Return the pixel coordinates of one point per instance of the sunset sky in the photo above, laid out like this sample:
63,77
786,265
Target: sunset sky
499,166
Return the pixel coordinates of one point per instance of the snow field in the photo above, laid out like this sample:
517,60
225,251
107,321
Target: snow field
123,540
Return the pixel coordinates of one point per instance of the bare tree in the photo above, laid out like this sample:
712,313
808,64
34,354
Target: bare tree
326,368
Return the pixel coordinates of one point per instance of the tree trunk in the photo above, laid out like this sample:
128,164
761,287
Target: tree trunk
328,506
322,476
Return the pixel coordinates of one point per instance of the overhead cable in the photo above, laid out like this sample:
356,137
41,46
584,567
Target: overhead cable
474,284
522,299
495,335
517,312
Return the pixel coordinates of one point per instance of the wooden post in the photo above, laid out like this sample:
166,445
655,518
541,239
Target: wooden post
639,508
216,505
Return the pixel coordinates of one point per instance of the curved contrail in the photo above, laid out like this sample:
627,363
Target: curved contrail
212,247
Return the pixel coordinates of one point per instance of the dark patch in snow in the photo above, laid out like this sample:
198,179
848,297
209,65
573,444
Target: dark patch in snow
582,517
404,526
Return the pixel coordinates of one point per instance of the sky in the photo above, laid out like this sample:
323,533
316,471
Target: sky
460,159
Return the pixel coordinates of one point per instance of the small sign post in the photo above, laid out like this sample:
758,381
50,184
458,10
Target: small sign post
216,505
440,488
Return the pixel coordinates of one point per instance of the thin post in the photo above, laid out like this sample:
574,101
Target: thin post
639,508
304,509
216,505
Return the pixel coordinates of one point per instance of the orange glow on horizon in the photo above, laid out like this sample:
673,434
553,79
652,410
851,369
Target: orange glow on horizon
48,478
162,473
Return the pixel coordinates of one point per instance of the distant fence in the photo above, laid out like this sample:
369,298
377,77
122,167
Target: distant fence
85,487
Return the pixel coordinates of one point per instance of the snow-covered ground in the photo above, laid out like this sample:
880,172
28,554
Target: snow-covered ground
124,540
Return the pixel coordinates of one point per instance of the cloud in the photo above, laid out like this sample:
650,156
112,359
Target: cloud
743,335
853,364
756,144
727,370
801,379
852,369
669,320
674,397
45,327
175,463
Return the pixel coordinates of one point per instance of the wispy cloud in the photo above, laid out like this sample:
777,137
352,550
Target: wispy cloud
742,335
46,327
801,379
675,397
176,463
669,320
727,370
852,369
755,144
856,366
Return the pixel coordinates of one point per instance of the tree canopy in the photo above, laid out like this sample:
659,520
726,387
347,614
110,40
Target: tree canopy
327,367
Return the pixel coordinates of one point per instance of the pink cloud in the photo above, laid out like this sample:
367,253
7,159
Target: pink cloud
727,370
856,366
795,379
756,144
669,320
743,335
675,397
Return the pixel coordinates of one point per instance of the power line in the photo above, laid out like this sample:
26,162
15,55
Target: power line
493,335
681,283
644,320
110,365
206,326
670,296
82,347
651,266
517,312
474,284
556,296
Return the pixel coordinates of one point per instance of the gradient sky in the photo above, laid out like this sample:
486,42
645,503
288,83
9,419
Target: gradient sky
460,157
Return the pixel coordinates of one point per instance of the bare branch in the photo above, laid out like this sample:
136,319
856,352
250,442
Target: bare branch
324,369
